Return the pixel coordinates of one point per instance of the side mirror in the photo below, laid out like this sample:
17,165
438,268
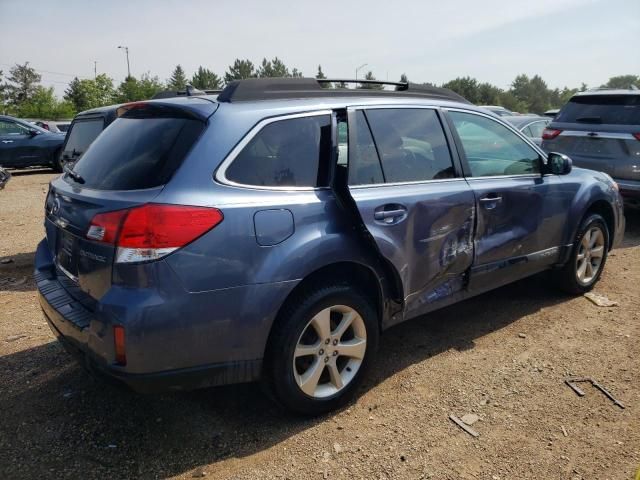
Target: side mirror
33,132
558,164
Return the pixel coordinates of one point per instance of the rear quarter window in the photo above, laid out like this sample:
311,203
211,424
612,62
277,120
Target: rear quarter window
290,152
137,153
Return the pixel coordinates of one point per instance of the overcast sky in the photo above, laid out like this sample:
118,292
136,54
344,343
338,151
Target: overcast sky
565,41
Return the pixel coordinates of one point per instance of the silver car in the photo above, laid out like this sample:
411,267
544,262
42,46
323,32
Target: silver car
531,125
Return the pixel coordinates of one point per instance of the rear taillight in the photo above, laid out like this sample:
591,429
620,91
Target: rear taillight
637,135
550,133
152,231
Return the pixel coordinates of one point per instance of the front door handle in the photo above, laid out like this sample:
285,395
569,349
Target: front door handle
7,141
390,214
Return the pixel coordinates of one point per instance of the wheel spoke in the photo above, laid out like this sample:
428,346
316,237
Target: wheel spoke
581,269
586,240
309,380
580,256
589,270
322,323
595,237
597,252
335,376
306,350
345,323
355,348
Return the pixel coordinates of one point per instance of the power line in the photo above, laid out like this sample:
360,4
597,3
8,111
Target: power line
48,71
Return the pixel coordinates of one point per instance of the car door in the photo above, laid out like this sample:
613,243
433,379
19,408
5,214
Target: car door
521,213
410,194
13,143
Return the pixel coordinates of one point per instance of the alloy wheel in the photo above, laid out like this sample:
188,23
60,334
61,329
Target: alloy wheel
590,254
330,351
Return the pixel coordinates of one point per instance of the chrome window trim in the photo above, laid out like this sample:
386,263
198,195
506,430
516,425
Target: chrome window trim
397,184
221,173
535,121
584,133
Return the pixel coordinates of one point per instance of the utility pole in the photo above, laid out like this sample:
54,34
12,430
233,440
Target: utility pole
361,66
126,51
95,69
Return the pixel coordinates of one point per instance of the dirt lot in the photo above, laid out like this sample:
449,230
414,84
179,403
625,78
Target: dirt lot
502,356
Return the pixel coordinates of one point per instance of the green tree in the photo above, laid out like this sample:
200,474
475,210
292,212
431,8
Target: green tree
42,103
23,82
295,73
178,80
90,93
403,78
465,86
488,94
128,90
132,89
3,94
532,92
273,68
321,76
369,86
623,81
205,79
240,70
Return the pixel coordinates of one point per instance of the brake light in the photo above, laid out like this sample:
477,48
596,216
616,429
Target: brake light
550,133
637,135
151,231
118,345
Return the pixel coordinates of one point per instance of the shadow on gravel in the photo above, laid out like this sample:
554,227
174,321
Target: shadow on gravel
17,275
57,421
30,171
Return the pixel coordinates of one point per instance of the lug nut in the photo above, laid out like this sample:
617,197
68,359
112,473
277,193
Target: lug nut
335,342
321,352
335,352
327,341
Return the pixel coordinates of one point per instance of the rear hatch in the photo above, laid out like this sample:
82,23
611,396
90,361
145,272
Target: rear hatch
125,167
599,131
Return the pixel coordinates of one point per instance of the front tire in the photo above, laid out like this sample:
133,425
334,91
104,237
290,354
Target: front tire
320,349
588,256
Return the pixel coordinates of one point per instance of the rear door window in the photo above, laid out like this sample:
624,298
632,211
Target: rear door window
491,149
82,134
137,153
411,144
609,109
292,152
364,164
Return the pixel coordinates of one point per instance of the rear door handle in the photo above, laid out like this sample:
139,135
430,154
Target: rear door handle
7,141
491,201
390,214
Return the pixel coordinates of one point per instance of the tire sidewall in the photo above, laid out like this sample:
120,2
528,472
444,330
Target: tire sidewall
282,349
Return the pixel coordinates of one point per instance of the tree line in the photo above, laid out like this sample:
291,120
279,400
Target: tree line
22,95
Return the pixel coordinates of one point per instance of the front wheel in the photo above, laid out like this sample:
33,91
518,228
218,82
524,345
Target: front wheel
588,256
320,349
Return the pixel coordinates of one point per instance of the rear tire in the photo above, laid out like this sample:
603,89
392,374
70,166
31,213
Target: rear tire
588,256
320,349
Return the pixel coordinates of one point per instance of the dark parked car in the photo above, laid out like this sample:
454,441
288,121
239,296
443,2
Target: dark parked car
56,127
272,232
84,129
600,129
25,145
531,125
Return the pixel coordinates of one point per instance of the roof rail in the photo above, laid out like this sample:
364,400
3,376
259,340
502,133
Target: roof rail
190,91
253,89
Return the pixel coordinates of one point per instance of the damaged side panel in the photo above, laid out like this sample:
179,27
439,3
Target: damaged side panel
427,237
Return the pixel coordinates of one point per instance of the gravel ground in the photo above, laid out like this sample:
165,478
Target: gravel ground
502,356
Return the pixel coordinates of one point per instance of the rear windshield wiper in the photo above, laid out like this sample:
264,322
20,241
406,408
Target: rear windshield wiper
76,176
589,119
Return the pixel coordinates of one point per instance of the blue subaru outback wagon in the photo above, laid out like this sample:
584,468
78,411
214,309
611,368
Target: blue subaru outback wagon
273,231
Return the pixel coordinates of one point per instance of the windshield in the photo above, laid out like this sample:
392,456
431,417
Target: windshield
610,109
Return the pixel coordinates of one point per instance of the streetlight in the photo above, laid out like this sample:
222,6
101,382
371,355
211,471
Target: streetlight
126,50
361,66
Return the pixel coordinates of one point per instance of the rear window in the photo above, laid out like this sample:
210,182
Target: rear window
82,134
610,109
137,153
286,153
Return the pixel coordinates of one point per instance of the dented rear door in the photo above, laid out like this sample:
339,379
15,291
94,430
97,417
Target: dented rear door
412,200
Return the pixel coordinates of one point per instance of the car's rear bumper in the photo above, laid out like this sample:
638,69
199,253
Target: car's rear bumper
175,340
